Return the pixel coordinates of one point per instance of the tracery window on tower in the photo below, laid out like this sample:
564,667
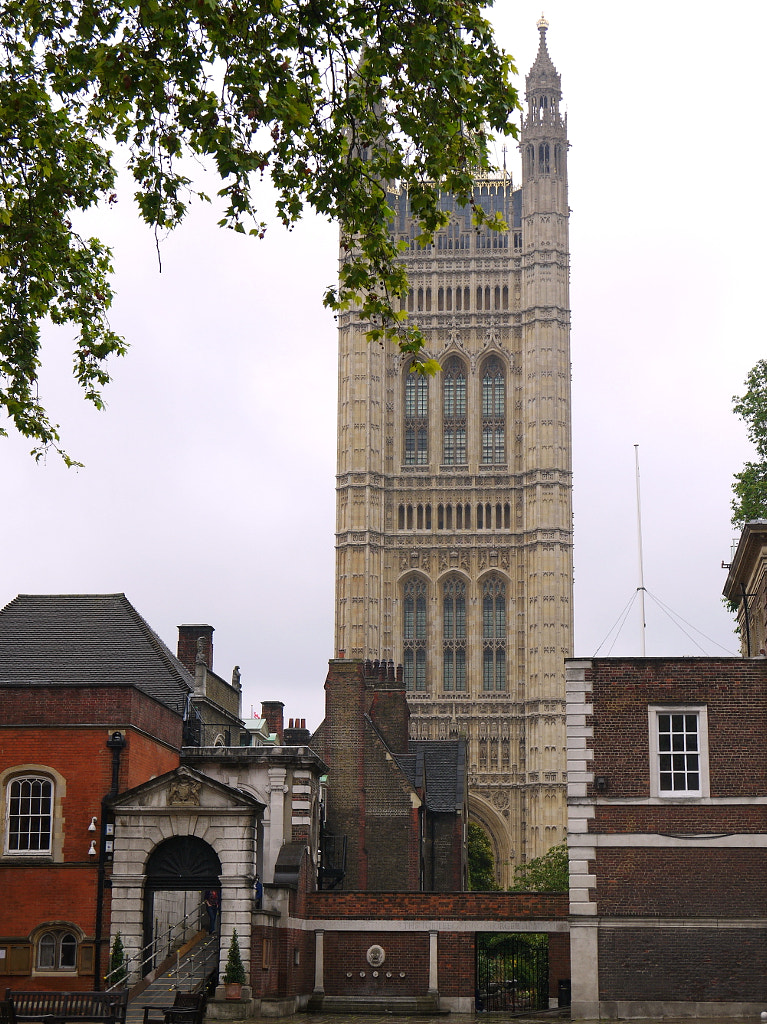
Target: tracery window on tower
454,634
454,412
493,634
493,412
452,237
543,158
414,633
416,437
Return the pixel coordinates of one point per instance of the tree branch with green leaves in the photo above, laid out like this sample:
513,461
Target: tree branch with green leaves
750,484
333,100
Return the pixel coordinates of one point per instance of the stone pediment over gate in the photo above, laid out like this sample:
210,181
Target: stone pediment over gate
183,790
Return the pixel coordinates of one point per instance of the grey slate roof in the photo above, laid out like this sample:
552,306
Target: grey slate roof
91,639
439,766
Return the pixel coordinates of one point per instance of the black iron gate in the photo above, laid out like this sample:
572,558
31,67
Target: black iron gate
512,972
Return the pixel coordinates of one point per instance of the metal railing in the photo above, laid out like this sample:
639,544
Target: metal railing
160,948
196,969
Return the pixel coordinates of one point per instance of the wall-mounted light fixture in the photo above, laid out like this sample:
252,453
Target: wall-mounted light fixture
92,826
92,851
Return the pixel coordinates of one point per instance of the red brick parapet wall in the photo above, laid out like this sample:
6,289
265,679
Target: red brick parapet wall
351,922
432,906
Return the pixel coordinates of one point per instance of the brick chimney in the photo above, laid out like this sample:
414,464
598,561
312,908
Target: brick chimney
271,710
189,638
388,707
296,734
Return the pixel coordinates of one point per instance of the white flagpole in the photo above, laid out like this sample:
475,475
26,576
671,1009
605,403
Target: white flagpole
640,588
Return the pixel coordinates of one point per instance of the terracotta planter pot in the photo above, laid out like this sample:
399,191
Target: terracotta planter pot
233,990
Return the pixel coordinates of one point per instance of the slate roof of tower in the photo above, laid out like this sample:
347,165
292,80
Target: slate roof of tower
91,639
441,765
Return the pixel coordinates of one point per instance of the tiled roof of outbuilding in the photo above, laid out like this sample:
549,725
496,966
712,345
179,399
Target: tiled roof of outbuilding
439,766
93,639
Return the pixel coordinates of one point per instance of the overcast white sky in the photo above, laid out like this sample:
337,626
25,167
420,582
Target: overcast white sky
208,488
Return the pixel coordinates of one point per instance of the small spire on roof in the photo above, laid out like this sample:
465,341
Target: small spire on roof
542,23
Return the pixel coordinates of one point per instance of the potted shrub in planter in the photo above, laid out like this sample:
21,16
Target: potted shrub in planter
234,972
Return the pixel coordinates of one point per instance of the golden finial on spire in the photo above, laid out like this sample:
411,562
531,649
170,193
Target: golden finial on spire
542,23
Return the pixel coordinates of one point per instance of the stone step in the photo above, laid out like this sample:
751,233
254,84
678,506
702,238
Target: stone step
402,1005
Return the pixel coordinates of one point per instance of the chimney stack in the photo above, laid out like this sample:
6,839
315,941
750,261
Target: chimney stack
190,639
271,710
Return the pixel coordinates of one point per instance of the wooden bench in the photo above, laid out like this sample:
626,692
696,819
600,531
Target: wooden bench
7,1012
188,1008
61,1007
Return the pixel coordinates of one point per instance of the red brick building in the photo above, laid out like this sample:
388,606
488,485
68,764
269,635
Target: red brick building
399,807
667,831
125,786
91,702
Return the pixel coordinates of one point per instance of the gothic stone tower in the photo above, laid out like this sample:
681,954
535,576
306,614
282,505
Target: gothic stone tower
454,524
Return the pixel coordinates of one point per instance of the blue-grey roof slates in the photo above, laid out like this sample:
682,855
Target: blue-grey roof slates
97,639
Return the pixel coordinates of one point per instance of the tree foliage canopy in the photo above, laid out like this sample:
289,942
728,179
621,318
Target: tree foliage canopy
750,484
549,873
329,98
481,861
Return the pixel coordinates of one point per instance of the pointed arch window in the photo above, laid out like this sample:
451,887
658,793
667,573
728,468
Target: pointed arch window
454,635
416,420
414,631
493,412
454,412
493,634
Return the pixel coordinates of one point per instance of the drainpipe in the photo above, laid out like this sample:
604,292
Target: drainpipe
748,627
116,742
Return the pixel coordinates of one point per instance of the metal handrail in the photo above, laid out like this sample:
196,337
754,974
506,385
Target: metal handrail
201,956
135,964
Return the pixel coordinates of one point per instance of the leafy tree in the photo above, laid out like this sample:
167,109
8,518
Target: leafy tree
329,98
549,873
481,861
750,484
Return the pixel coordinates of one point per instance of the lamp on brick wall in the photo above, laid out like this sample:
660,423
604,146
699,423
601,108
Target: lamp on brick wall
92,826
92,851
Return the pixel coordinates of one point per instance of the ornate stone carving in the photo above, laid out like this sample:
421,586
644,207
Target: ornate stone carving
375,956
184,792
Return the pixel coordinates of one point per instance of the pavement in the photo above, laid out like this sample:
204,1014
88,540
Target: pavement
475,1018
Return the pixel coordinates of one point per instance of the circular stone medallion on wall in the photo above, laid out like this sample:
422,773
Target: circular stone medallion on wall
376,956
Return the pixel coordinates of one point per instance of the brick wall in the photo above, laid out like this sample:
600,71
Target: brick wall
685,860
695,882
444,869
692,819
111,706
65,730
734,692
431,906
404,972
699,965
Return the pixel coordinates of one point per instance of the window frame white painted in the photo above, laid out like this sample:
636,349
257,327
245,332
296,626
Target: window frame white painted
701,712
